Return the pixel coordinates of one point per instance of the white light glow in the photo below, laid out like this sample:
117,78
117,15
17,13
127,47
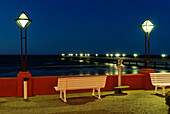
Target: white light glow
147,26
23,16
111,55
123,55
23,20
117,54
70,54
96,55
107,55
163,55
63,54
135,55
81,54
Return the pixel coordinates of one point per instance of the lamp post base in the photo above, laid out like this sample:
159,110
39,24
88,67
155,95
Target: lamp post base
119,92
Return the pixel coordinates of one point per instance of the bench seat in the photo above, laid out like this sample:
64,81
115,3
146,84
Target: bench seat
159,84
78,83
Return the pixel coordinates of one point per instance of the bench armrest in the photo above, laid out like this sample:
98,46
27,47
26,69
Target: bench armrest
56,88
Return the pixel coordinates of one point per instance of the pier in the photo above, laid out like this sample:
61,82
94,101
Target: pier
154,62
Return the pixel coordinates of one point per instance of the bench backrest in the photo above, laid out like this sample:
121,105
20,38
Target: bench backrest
158,78
71,83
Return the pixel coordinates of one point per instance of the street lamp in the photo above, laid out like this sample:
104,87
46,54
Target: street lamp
147,27
23,22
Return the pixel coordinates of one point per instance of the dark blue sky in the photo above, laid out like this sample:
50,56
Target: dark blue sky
87,26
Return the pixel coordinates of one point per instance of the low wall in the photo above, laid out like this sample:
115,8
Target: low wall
45,84
8,87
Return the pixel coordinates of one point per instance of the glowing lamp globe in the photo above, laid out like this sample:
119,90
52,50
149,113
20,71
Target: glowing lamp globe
23,21
147,26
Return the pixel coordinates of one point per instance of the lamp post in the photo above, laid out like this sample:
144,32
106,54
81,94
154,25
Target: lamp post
23,22
147,26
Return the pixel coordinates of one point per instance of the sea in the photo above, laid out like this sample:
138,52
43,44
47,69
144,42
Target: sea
56,65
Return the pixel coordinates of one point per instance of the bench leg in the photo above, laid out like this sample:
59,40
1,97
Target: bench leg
93,92
99,94
156,89
163,88
61,97
65,96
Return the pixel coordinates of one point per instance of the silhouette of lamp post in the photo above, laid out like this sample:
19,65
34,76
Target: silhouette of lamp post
147,27
23,22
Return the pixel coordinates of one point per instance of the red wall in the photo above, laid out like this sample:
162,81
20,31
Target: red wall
45,84
8,87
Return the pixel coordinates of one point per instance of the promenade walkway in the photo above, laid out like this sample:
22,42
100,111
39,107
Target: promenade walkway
136,102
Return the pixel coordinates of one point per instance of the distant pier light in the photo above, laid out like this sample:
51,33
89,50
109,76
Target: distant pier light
81,54
88,55
147,27
163,55
62,54
117,55
96,55
70,54
135,55
107,55
123,55
76,54
111,55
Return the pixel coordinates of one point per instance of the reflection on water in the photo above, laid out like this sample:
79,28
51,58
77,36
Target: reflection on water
53,69
108,69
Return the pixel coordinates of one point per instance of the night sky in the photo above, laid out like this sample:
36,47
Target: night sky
85,26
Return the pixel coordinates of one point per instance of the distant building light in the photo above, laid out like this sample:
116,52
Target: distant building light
62,54
76,54
117,54
135,55
88,54
96,55
111,55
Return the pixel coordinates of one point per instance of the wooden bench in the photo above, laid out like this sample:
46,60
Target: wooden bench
160,80
76,83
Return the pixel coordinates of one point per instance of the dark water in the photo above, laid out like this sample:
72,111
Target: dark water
53,65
